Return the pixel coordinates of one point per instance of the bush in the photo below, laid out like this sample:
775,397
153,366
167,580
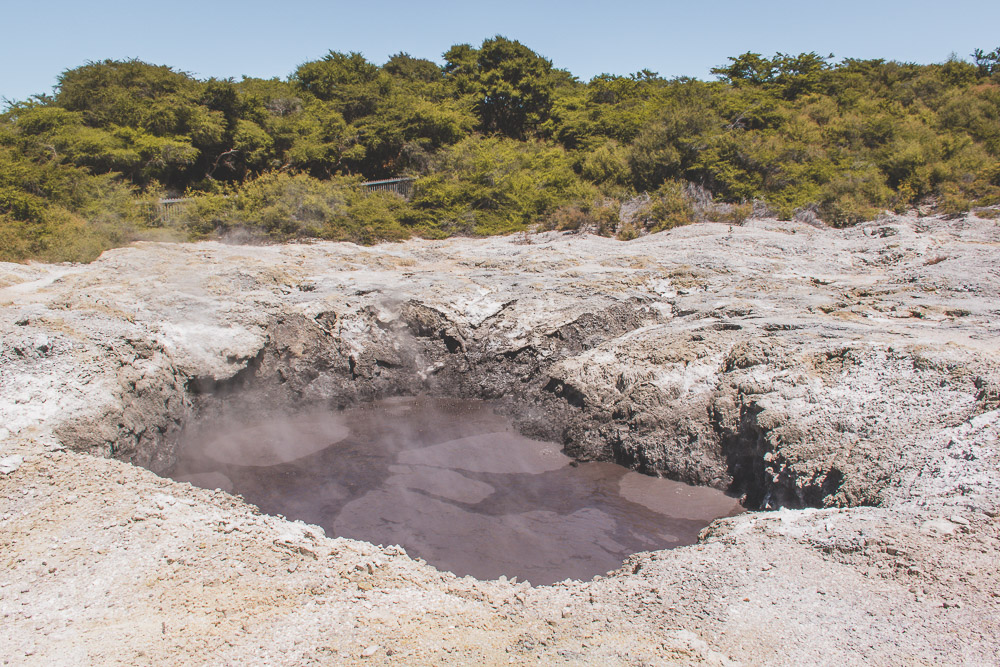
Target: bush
953,202
57,236
569,218
842,140
281,206
669,207
854,196
501,185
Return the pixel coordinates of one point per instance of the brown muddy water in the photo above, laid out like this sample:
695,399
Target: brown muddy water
451,482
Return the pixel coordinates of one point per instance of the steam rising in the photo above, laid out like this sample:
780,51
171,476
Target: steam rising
279,440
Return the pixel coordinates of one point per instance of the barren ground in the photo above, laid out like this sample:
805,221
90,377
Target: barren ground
847,382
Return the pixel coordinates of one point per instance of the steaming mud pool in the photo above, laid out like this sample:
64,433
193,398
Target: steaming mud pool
453,483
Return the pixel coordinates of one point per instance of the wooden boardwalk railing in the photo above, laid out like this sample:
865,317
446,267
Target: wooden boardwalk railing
401,186
158,212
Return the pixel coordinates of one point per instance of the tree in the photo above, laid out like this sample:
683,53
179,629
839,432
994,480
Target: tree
512,85
987,64
352,83
515,87
789,75
408,68
460,69
129,92
747,68
319,139
801,74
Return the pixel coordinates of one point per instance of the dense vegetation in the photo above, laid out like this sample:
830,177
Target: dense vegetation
499,141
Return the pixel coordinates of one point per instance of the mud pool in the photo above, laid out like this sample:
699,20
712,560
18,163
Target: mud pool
450,481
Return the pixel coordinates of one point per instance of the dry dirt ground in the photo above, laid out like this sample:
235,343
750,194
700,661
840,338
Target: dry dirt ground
845,382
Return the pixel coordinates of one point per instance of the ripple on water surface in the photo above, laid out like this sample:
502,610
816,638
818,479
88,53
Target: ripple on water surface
453,483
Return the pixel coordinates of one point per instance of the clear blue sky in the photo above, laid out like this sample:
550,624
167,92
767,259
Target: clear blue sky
41,38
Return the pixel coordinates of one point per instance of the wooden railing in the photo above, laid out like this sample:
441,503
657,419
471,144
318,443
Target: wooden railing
401,186
158,211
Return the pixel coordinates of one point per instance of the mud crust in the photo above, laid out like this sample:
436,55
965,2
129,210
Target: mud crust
837,371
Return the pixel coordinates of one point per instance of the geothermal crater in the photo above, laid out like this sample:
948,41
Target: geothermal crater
471,475
451,482
846,380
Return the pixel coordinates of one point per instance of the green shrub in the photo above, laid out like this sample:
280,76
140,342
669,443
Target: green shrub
854,196
606,165
606,214
281,158
953,202
370,217
669,207
501,185
56,236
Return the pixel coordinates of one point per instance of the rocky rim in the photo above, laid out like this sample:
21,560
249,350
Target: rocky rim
847,381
